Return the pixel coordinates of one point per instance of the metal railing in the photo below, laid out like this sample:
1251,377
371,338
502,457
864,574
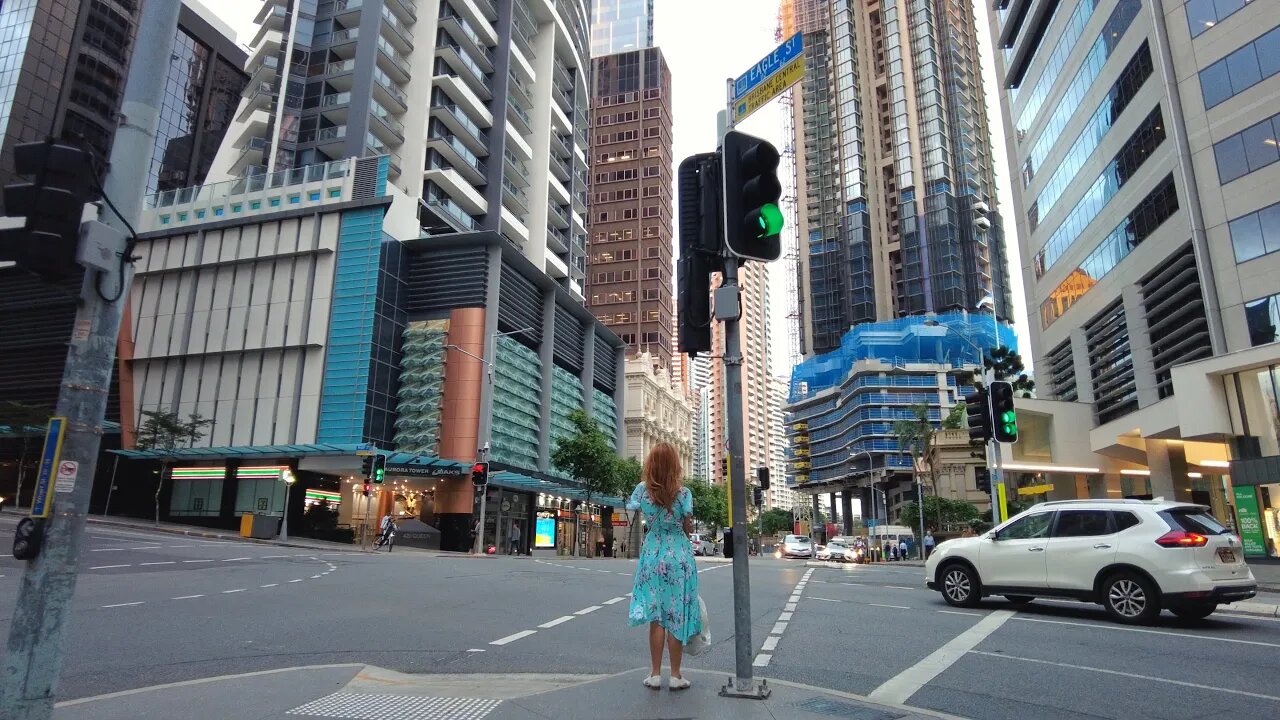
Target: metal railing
332,99
477,132
393,55
254,183
467,156
401,31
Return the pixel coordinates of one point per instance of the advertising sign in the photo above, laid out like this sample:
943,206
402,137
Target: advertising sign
1249,521
544,532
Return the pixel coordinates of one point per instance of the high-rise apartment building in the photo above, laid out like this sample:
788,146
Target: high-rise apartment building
620,26
892,152
1143,137
700,393
753,326
779,495
480,106
630,270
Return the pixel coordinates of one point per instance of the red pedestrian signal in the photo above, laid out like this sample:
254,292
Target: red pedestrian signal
480,473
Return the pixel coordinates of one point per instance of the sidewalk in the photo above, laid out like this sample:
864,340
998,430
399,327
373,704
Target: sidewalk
213,533
366,691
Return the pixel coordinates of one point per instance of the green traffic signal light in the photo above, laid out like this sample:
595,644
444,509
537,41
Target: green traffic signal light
378,475
770,220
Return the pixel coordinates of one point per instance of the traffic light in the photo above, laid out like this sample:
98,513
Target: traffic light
982,476
368,489
762,477
366,466
752,219
728,468
480,473
700,243
978,414
62,180
379,469
757,495
1005,418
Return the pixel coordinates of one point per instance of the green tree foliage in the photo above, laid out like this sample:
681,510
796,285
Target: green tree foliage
626,473
165,431
777,521
941,514
587,457
710,503
956,418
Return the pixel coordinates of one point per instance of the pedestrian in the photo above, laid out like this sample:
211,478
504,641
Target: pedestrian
928,543
665,592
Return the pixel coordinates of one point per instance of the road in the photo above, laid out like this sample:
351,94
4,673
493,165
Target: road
152,608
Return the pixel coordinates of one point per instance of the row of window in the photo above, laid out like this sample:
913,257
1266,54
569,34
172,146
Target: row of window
627,214
1053,66
619,155
1249,150
652,251
629,97
293,199
1241,70
626,194
1145,139
624,296
650,273
628,116
1204,14
1155,208
649,231
1256,234
650,338
625,136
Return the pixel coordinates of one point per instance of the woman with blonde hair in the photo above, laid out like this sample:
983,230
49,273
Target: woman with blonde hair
666,586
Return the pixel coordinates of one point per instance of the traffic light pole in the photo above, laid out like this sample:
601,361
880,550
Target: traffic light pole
37,634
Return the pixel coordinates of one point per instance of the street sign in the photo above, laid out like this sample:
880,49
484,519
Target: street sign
42,502
768,90
1035,489
790,49
65,482
871,522
425,471
365,450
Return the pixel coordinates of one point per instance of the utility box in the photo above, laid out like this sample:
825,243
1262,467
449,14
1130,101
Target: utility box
261,527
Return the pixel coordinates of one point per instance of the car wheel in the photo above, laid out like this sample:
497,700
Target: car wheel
1019,599
960,586
1130,598
1194,612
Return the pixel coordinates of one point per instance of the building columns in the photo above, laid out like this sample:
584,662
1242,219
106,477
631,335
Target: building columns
546,358
1168,463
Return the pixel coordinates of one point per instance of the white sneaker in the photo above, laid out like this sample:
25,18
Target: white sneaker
653,682
677,683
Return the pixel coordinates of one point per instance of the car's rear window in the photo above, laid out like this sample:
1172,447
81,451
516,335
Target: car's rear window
797,539
1194,520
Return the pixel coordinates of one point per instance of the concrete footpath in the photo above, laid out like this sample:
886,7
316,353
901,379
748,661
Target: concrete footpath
366,692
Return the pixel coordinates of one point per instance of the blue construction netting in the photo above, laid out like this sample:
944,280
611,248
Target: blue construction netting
953,338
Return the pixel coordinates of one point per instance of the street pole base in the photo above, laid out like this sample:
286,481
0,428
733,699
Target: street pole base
746,688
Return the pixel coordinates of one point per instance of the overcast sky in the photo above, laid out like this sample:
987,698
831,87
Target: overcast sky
706,41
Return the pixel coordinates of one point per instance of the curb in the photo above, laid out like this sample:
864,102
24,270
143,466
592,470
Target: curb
1252,608
212,535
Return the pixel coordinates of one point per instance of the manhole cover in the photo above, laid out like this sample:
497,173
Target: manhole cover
835,708
367,706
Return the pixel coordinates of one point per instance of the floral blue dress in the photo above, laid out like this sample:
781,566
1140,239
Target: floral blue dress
666,585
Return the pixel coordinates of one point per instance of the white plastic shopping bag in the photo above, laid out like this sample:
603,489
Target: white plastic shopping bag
700,643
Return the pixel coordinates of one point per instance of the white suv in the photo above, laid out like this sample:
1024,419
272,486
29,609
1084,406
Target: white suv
1134,557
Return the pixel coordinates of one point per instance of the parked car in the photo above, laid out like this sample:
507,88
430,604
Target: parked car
1134,557
702,546
797,546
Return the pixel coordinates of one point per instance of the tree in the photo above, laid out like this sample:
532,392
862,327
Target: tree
165,431
774,521
1007,365
710,504
626,472
940,514
956,418
587,457
18,417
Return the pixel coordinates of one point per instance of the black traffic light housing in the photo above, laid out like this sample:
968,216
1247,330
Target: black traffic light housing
699,202
762,477
379,469
480,473
63,179
366,466
977,412
752,219
982,477
757,495
1004,418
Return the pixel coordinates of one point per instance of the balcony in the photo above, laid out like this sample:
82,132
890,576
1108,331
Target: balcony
521,65
324,137
270,13
390,129
564,99
459,156
452,116
518,170
519,198
404,9
464,67
561,74
374,147
519,117
560,168
486,8
271,21
513,228
259,99
458,189
262,69
520,92
559,120
557,216
462,32
341,42
448,216
396,32
339,74
561,147
392,62
558,191
556,267
388,92
557,239
458,92
251,154
518,144
522,36
348,11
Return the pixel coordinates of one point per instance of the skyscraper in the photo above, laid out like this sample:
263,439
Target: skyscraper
892,153
1143,136
629,279
620,25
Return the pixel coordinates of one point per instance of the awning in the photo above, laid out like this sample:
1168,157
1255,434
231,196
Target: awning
242,451
516,481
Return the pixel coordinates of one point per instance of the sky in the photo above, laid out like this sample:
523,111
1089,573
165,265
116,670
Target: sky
706,41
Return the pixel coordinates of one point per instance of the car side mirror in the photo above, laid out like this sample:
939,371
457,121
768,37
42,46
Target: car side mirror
992,535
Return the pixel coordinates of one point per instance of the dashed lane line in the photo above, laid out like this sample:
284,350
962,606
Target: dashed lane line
770,643
895,607
557,621
228,592
298,580
611,601
128,604
236,559
269,585
187,597
587,610
513,637
162,562
196,561
108,567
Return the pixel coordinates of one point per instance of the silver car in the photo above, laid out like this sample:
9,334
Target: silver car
796,546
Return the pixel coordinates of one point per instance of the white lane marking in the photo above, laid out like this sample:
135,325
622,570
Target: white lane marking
1135,676
269,585
474,650
778,628
298,580
770,643
163,562
514,637
591,609
196,561
108,567
824,599
235,559
146,547
604,571
785,616
794,599
313,577
762,660
715,567
1120,628
895,607
900,587
272,557
122,604
960,612
228,592
186,597
179,546
790,607
612,601
557,621
99,550
901,687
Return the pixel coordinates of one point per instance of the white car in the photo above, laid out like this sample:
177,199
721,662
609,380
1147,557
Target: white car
1134,557
702,546
798,546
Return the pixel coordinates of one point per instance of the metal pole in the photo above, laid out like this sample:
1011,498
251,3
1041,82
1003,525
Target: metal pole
37,634
743,683
484,490
115,467
284,521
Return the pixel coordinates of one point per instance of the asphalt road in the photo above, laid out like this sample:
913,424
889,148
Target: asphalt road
153,608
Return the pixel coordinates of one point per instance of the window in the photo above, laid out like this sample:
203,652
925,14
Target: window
629,214
652,112
1123,520
652,191
651,273
651,315
1248,151
650,211
1204,14
1031,526
602,217
1241,70
651,170
654,251
651,293
1256,234
650,231
651,337
1193,520
1263,317
651,132
1082,523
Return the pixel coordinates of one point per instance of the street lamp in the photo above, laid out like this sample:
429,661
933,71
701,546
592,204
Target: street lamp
288,478
488,418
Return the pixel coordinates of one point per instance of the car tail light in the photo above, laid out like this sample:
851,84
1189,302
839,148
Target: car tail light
1182,538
